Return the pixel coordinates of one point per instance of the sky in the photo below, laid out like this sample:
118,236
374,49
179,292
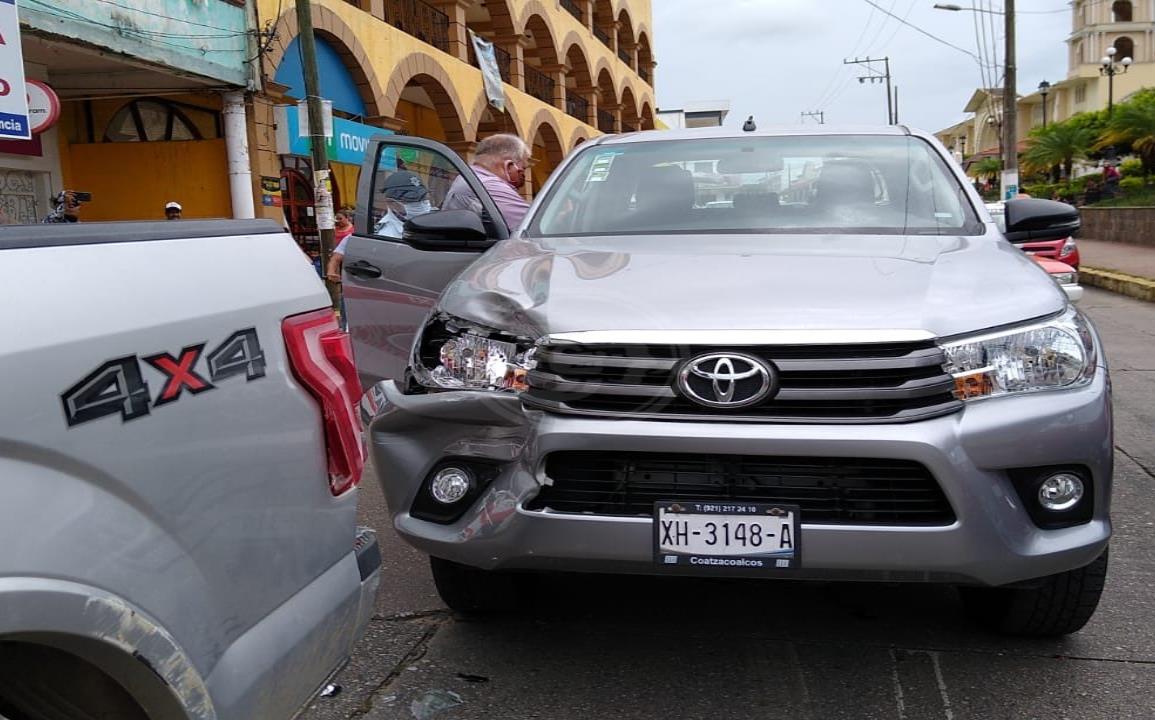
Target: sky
775,59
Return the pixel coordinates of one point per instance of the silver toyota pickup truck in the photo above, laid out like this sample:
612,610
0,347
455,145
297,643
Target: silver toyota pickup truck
798,353
179,446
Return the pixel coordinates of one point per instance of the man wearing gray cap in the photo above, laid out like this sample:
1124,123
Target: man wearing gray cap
405,197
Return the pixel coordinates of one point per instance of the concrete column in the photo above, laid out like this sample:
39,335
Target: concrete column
587,7
397,125
458,33
613,109
613,31
593,113
558,73
516,52
632,51
377,9
467,149
237,155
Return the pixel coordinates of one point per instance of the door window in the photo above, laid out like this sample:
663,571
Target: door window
413,181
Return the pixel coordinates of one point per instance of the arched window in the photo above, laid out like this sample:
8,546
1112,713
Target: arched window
1124,48
1121,11
150,120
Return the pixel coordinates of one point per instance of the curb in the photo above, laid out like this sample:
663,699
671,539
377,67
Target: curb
1134,286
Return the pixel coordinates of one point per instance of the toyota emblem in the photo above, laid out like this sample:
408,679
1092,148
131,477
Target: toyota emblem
726,380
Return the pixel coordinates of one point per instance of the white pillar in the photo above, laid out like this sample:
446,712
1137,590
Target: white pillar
237,151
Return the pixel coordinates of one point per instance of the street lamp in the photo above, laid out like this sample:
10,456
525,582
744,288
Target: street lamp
956,8
1110,68
1044,88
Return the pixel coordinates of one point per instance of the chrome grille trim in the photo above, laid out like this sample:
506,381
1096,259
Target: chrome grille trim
881,382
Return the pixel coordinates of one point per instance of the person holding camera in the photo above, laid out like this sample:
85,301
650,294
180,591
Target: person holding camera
66,206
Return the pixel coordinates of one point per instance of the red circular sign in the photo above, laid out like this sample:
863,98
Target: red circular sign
43,106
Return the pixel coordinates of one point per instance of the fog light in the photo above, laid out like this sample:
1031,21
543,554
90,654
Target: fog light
451,484
1061,491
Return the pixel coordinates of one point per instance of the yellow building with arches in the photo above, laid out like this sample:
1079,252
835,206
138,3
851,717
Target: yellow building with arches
572,69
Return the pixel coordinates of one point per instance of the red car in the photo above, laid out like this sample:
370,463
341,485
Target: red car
1064,275
1063,249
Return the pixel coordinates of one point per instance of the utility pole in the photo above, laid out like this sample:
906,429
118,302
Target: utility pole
322,185
817,114
889,106
895,104
1010,174
874,75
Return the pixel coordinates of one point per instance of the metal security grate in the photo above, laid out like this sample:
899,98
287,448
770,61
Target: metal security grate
879,382
850,491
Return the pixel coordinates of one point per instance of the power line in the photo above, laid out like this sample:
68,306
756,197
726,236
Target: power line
832,89
919,30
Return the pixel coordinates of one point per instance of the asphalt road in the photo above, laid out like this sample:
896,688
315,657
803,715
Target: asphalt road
674,648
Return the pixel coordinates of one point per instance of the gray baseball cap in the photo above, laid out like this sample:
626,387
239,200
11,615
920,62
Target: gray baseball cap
404,186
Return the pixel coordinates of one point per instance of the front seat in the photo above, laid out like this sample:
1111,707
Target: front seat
665,195
844,185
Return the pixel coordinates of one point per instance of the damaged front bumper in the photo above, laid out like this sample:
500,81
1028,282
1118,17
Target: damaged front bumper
991,541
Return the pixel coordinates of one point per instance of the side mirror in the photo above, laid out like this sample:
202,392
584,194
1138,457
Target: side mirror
1036,219
448,230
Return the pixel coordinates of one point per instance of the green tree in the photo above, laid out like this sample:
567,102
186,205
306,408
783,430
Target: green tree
988,168
1060,144
1133,123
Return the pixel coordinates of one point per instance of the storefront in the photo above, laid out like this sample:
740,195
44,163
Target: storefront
143,115
30,169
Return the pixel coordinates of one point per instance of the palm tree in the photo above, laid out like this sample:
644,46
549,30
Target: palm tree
988,168
1060,143
1134,122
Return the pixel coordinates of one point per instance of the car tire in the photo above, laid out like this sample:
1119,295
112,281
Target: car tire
1057,605
470,590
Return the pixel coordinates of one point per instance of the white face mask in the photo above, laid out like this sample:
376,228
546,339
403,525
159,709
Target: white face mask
417,208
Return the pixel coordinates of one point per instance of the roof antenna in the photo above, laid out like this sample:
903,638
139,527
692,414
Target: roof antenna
749,125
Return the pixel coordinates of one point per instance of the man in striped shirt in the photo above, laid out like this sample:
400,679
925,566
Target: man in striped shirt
500,165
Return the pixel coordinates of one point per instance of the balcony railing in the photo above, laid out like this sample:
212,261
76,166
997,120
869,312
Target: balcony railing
421,20
578,107
605,121
503,61
602,35
573,8
629,128
645,75
539,84
624,55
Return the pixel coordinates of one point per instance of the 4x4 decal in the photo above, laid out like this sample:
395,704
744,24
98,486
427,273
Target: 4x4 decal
118,386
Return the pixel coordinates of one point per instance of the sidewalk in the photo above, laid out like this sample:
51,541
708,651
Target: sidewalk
1120,267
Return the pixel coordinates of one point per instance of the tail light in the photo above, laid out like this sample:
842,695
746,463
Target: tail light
321,358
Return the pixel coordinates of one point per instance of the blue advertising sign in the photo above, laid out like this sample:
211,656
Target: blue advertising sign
348,145
13,97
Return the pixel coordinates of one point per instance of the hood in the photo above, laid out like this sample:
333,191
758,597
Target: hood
941,285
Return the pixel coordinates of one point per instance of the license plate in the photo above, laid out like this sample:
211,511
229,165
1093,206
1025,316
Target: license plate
726,535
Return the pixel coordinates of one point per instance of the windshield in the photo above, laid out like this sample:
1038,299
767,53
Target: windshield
841,184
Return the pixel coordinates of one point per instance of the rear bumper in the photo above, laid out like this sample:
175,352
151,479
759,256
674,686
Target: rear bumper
992,541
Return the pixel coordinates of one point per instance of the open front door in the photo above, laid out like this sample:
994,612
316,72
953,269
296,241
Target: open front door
390,282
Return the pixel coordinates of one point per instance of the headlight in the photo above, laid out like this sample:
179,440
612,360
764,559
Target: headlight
1068,247
1053,355
1066,278
455,354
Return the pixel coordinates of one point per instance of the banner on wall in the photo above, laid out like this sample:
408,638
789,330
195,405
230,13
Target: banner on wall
14,122
490,72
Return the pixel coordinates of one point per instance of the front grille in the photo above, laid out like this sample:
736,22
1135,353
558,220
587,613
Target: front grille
878,382
856,491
